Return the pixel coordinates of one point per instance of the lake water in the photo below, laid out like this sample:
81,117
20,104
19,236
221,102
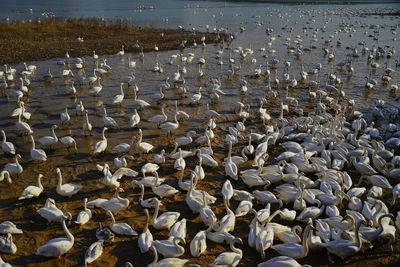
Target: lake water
271,31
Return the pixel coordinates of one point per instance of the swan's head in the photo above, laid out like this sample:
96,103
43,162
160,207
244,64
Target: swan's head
58,170
67,216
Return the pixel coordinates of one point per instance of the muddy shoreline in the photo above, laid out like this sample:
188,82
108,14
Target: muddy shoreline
39,40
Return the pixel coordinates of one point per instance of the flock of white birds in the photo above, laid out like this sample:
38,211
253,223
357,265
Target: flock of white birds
318,163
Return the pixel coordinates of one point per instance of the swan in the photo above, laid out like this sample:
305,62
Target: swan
145,239
121,161
169,248
37,154
179,229
64,116
163,190
147,203
199,171
117,99
227,223
170,126
230,167
95,90
149,167
68,141
229,258
123,147
139,102
120,228
344,248
143,147
50,211
85,215
14,168
8,227
206,159
185,140
104,234
67,190
168,262
101,145
244,207
94,251
266,197
87,126
294,250
165,220
160,118
116,203
281,261
131,63
194,202
180,163
310,212
58,246
49,140
108,121
7,147
23,127
198,245
370,233
32,191
180,114
135,119
7,245
5,175
160,158
207,215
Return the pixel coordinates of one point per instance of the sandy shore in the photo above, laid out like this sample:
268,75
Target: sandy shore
29,41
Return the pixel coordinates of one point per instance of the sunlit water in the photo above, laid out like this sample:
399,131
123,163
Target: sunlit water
47,100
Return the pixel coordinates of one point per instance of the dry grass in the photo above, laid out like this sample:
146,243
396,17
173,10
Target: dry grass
27,41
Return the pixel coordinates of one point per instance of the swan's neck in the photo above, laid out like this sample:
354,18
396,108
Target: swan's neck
104,137
141,192
146,226
155,257
140,138
39,182
4,136
86,118
69,235
54,134
230,152
236,250
155,215
244,155
358,235
59,179
306,236
32,139
112,219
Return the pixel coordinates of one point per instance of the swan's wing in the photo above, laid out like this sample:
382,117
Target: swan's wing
124,171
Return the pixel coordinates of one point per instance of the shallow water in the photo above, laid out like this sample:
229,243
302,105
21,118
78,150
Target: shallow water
47,100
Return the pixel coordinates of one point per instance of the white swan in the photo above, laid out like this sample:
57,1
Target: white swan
32,191
206,159
123,147
227,223
7,245
160,118
230,167
170,126
160,158
37,154
7,147
145,239
58,246
198,245
143,147
95,90
87,126
8,227
145,203
165,220
94,251
120,228
229,258
14,168
117,99
163,190
169,248
64,116
135,119
180,162
108,121
66,190
179,229
49,140
101,145
168,262
296,251
23,127
68,141
50,211
85,215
